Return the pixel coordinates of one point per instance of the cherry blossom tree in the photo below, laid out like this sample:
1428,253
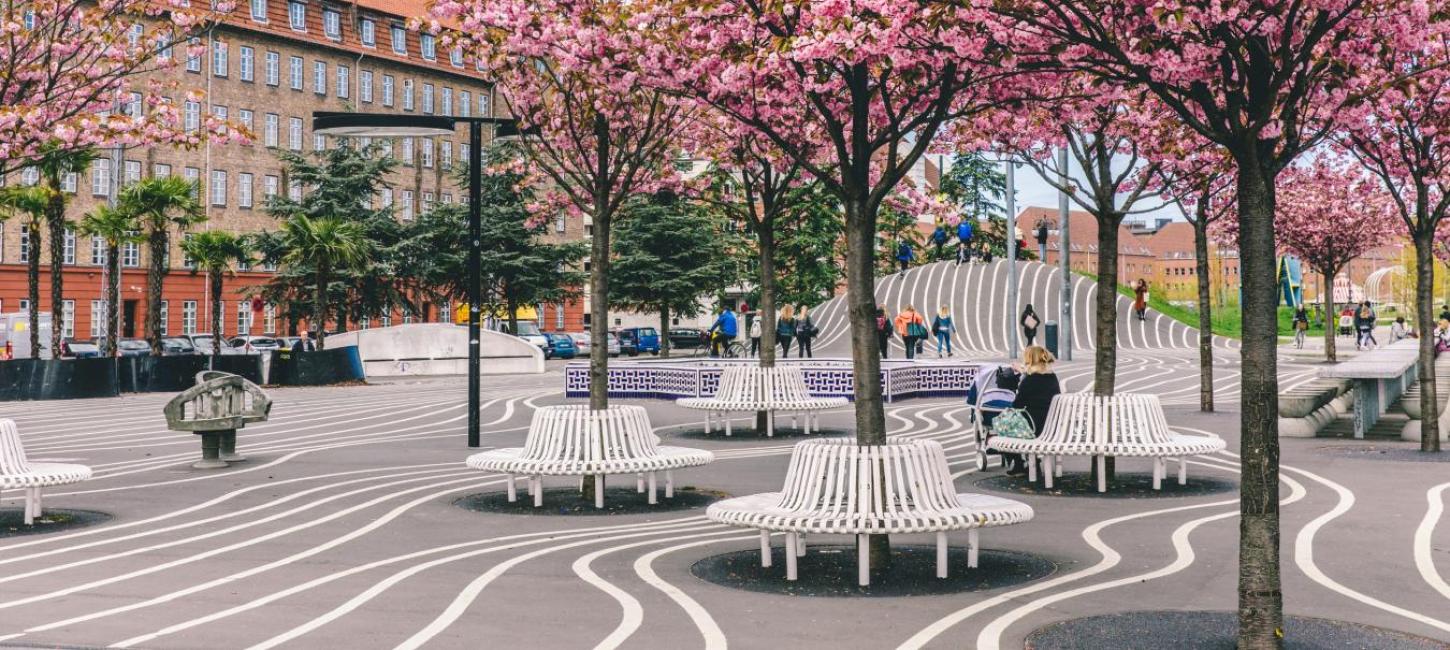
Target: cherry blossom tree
1263,81
1403,139
567,68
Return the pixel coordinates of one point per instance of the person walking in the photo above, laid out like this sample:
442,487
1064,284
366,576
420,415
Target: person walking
755,325
904,254
785,330
942,326
964,240
883,332
1029,322
1035,391
1301,327
1042,239
1140,299
805,330
939,238
912,329
1364,321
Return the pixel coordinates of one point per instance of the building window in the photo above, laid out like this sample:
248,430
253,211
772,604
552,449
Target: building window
134,34
132,171
245,116
269,130
427,46
219,111
131,254
388,90
297,16
400,40
193,59
559,316
294,133
427,202
294,190
294,72
485,105
219,63
163,47
161,170
244,190
273,68
463,153
68,183
68,247
428,99
332,24
319,142
344,81
25,245
29,176
192,115
406,207
463,99
188,317
98,251
428,153
98,318
247,71
165,317
101,177
559,222
259,11
447,99
269,187
407,151
319,77
186,260
244,317
269,319
407,94
218,187
134,106
68,318
368,32
385,197
445,154
456,57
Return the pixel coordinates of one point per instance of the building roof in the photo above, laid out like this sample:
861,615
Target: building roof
1173,241
1084,231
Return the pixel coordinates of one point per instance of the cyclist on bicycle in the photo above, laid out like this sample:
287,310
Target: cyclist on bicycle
1301,327
723,331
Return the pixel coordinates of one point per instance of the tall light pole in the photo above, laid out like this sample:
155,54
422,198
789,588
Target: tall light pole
380,125
1012,342
1064,258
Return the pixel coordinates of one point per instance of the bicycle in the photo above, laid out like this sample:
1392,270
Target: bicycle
729,348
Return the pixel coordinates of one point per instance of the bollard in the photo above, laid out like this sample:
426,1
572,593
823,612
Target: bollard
1049,337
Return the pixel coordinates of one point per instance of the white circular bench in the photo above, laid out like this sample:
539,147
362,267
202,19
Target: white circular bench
837,487
18,472
575,440
1130,425
753,388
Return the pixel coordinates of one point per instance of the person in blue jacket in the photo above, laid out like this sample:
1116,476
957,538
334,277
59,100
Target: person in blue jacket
724,329
939,238
964,240
904,254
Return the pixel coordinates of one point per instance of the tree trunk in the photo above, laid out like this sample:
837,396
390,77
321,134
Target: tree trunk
113,297
767,311
1205,307
664,331
1105,321
55,220
319,310
32,279
865,352
513,311
1425,315
157,242
599,311
1331,320
214,277
1261,601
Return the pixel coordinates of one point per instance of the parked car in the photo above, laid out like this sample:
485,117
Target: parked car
287,342
255,344
583,343
128,347
177,345
614,346
529,331
203,345
688,338
70,349
638,340
561,346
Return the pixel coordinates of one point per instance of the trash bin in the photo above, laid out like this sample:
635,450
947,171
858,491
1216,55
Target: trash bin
1049,337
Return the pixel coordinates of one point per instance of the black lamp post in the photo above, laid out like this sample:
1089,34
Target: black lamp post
379,125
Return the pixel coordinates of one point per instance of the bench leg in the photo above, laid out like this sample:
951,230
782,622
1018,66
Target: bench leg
229,447
941,555
599,491
1058,466
652,499
790,564
513,492
793,424
972,543
32,505
1158,470
707,422
765,549
769,424
1102,461
726,418
1182,470
800,544
537,487
669,484
1049,470
863,560
1031,468
639,483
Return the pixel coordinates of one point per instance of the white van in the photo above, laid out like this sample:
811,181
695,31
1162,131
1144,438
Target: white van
15,335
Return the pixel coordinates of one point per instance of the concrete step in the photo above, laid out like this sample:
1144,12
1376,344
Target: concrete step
1388,427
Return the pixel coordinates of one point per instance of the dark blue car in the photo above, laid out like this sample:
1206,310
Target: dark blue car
638,340
561,346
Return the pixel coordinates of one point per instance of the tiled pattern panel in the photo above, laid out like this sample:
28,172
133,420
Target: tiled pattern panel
824,378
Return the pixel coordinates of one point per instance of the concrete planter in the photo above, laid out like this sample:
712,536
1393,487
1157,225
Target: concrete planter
332,366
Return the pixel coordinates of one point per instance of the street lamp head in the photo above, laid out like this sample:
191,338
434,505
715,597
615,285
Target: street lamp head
378,125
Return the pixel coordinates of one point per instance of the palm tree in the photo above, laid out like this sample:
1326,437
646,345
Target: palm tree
54,164
323,245
214,251
116,226
160,203
30,202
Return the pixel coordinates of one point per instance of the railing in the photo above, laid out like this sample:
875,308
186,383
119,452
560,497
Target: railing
825,377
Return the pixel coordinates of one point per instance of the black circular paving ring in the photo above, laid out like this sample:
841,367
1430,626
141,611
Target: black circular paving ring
1152,630
53,520
570,501
831,571
1125,485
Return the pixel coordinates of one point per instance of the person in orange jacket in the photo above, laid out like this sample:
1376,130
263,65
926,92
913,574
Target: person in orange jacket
912,328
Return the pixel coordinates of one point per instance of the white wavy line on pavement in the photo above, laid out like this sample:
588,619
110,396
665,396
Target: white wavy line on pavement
508,542
644,568
1423,533
633,614
990,637
471,592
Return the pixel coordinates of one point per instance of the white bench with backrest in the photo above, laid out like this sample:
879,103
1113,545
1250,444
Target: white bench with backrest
19,472
840,488
753,388
575,440
1119,425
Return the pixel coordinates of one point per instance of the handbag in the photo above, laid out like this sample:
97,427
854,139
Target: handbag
916,329
1013,423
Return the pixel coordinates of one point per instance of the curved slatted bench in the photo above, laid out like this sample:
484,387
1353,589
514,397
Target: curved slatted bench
575,440
837,487
1118,425
753,388
19,472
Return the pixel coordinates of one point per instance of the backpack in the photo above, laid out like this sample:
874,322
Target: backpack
1013,423
940,236
964,230
903,252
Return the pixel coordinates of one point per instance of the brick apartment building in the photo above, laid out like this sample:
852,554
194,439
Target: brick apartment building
268,66
1135,259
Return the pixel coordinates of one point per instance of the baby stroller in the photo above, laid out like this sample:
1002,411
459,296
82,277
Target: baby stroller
992,391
